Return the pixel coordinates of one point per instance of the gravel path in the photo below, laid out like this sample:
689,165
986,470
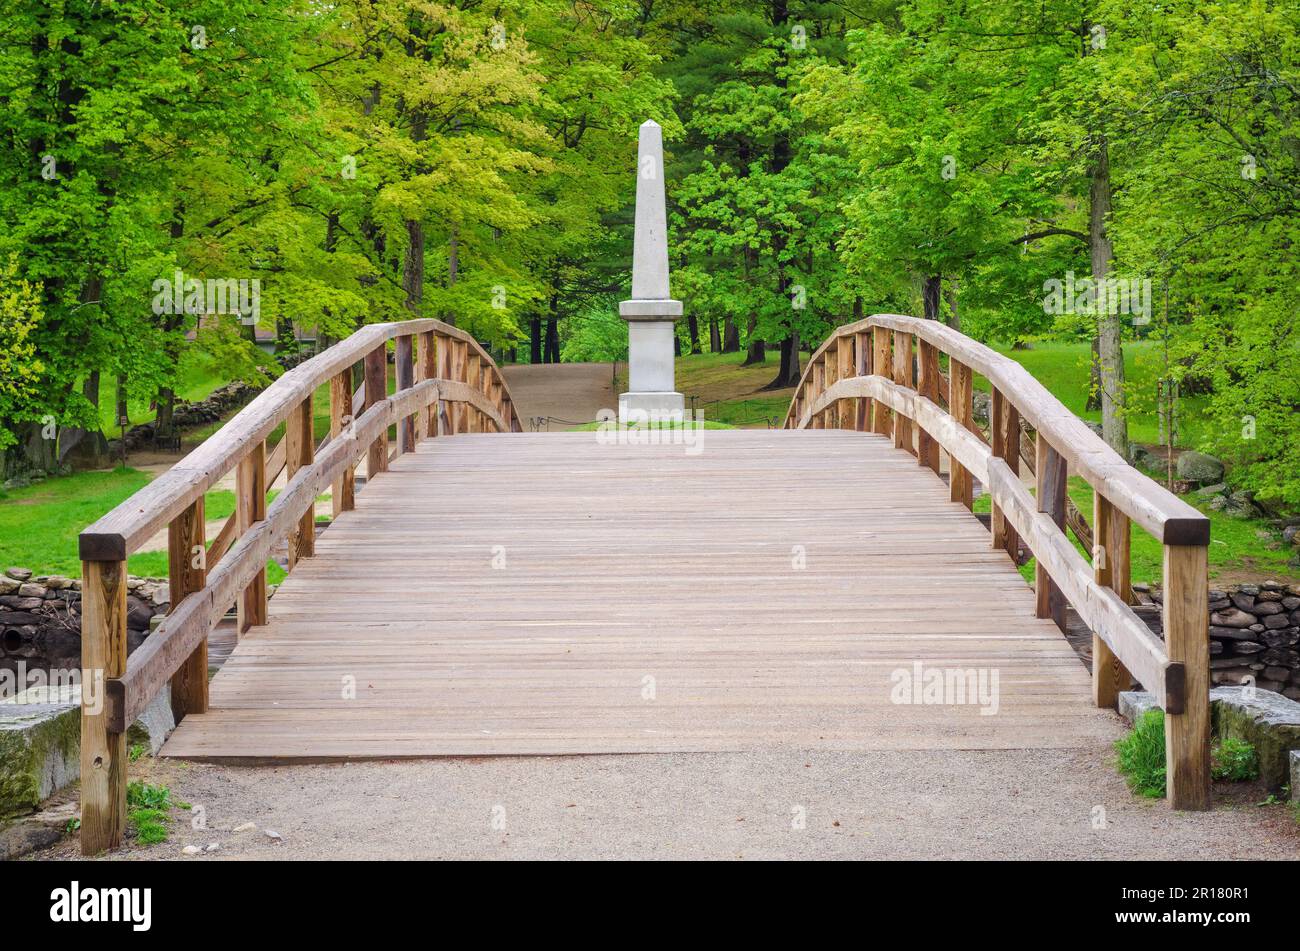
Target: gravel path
931,805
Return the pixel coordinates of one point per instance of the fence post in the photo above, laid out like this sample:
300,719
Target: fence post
844,351
1004,422
927,449
863,356
187,572
428,370
343,493
103,658
880,366
903,377
1186,623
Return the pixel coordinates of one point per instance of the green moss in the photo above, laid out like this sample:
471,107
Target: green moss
26,756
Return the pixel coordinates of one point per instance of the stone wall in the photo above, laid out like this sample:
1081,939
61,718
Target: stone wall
40,618
1254,632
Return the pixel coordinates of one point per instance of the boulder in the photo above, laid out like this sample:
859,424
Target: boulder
1198,467
1266,720
19,574
1233,618
40,747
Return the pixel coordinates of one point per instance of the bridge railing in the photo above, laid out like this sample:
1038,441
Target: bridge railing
883,375
446,383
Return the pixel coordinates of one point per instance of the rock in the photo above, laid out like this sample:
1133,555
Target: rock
1275,622
1133,703
1218,604
24,835
1284,638
1281,657
274,836
1290,603
191,850
1295,776
1270,594
980,406
1264,608
1206,491
1257,628
138,614
1247,647
9,585
40,746
246,827
58,582
19,574
155,723
1244,602
1280,674
31,591
1233,618
1268,721
212,847
1231,633
1198,467
1251,589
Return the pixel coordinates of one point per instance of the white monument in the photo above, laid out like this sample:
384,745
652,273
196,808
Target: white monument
651,313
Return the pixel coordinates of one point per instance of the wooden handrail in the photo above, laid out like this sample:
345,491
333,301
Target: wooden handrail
205,582
871,389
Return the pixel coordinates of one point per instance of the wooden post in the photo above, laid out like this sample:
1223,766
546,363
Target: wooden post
459,371
844,371
1186,623
998,438
863,357
405,362
428,370
474,377
819,387
880,365
250,507
903,377
343,494
960,488
444,373
377,390
927,449
103,658
1050,471
187,572
300,451
1110,568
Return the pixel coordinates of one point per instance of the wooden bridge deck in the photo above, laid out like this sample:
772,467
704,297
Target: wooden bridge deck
649,601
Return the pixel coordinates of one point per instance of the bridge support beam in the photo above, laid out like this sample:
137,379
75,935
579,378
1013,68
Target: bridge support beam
103,658
1186,620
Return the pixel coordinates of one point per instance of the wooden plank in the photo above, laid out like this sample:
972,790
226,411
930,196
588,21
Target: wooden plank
300,442
1050,473
1186,625
862,356
1005,430
405,365
187,572
1110,565
103,752
376,390
250,507
528,658
426,368
343,492
960,488
845,370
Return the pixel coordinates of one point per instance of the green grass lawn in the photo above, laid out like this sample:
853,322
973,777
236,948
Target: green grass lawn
1237,545
39,524
198,378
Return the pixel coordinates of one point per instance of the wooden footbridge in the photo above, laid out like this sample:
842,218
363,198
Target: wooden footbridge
494,592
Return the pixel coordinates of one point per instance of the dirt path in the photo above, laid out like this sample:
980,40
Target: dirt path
568,393
1037,804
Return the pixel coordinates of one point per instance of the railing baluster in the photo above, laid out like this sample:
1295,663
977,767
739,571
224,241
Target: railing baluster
1110,568
427,369
927,449
960,488
300,445
819,387
903,377
187,572
845,408
881,421
405,363
376,391
862,355
250,504
343,493
1187,728
103,657
1050,471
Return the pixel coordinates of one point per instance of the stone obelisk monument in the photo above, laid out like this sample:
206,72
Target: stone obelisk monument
651,313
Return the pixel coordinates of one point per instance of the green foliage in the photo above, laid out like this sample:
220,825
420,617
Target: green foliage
146,796
597,335
1234,760
1141,755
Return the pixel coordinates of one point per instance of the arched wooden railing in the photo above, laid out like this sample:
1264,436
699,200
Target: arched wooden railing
882,375
446,384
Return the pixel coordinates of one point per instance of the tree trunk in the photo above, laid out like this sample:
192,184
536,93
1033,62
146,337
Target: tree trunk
1094,376
788,374
715,338
1110,347
756,352
535,341
730,336
413,268
693,326
931,295
85,448
954,318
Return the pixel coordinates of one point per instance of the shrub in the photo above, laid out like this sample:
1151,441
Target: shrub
1234,760
1142,755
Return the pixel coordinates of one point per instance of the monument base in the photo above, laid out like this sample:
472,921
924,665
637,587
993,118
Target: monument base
650,406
